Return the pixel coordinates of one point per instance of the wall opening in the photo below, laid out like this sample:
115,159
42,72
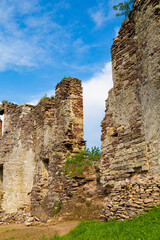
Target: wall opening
1,184
1,124
1,174
46,163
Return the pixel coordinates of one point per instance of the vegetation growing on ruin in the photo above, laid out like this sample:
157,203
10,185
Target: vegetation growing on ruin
57,208
124,8
45,98
65,77
142,228
93,154
52,97
78,162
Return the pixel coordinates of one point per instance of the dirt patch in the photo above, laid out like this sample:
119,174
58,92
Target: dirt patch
21,232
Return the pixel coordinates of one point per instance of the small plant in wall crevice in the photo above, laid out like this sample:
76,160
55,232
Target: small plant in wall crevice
57,207
77,163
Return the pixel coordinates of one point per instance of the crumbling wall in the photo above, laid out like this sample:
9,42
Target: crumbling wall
35,144
0,128
17,156
131,127
132,196
62,136
44,135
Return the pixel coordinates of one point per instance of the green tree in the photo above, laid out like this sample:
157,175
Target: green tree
124,8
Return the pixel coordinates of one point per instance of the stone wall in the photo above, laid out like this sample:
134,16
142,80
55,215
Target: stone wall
35,144
66,138
38,139
17,156
0,128
131,197
131,127
130,161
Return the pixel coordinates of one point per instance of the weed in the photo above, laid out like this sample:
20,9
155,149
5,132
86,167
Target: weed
45,98
13,229
75,80
7,230
43,237
56,237
76,164
52,97
57,208
59,174
65,77
93,154
88,163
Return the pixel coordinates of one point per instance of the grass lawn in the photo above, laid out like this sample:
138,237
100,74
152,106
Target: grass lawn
143,227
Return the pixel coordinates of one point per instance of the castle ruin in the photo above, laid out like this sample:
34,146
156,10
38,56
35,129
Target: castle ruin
130,161
131,127
38,139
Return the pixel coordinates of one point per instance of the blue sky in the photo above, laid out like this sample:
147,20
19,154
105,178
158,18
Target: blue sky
41,41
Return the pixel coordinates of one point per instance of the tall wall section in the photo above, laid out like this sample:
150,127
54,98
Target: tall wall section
17,156
131,127
67,138
34,147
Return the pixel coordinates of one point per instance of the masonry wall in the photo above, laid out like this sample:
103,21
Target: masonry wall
34,147
63,136
131,127
17,156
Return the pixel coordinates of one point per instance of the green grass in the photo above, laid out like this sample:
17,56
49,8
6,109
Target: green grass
141,228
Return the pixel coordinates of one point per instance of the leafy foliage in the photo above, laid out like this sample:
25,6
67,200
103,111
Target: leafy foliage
45,98
93,154
77,163
52,97
65,77
57,208
124,8
145,227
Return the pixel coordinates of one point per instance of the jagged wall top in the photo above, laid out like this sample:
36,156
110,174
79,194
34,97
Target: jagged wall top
131,127
36,142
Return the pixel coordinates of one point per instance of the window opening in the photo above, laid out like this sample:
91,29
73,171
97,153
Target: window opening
1,173
46,163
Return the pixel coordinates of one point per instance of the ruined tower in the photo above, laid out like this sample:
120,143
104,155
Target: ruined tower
130,161
131,127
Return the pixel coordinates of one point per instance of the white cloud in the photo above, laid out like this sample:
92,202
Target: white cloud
103,12
29,35
95,92
36,99
116,30
98,17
